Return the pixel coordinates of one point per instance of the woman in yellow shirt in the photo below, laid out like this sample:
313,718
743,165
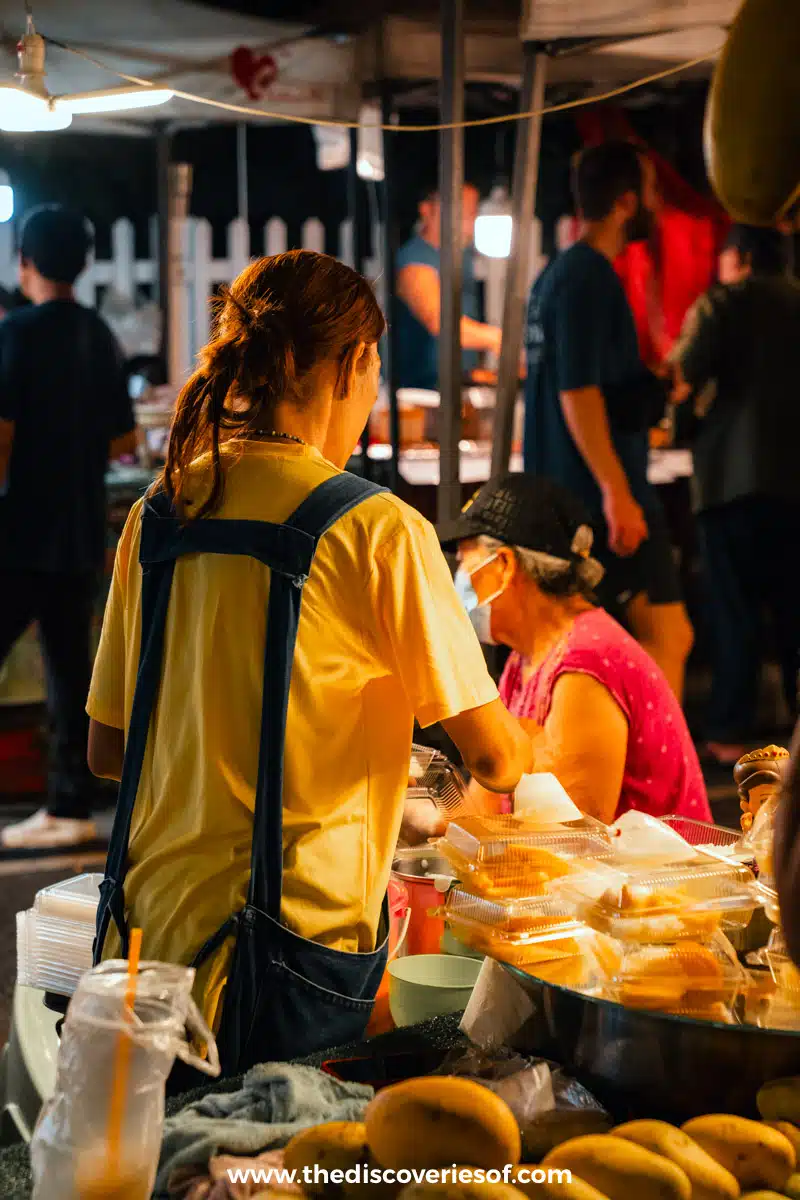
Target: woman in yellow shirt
273,628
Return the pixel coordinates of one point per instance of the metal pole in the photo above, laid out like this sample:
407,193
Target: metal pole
180,186
389,357
162,200
242,183
523,211
354,214
451,193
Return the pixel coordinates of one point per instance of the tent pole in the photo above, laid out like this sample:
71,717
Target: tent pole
451,191
242,182
523,212
354,213
388,220
163,142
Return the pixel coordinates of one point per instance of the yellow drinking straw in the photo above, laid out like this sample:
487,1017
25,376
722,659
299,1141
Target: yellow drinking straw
122,1058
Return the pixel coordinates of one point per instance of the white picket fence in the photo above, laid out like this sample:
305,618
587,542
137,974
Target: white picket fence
135,279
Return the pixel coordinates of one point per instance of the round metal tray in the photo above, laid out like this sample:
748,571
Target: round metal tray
652,1064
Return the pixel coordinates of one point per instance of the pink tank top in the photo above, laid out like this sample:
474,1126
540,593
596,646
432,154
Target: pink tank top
662,771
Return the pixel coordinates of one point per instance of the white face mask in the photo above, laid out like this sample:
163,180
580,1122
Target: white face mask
479,611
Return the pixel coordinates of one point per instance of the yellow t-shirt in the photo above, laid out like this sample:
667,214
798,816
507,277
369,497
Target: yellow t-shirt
382,639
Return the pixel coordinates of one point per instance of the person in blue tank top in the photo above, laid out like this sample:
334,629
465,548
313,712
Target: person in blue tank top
418,298
590,401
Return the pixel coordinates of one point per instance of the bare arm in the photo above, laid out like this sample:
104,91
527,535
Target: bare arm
587,420
495,749
586,744
106,750
418,287
6,443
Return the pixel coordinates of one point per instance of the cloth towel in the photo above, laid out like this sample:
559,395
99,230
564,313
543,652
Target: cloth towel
275,1102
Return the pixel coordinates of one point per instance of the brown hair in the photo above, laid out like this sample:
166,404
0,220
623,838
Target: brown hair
278,319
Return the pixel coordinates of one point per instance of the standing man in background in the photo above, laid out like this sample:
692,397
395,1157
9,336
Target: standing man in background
590,402
419,298
64,410
738,356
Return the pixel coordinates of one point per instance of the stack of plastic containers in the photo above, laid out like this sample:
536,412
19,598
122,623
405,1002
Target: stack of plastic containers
671,923
54,938
510,903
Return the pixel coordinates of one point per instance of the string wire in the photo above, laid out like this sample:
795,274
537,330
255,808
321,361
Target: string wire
248,110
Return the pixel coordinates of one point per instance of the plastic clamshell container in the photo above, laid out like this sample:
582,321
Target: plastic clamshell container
709,839
73,899
502,857
687,900
784,972
436,779
52,953
688,978
514,931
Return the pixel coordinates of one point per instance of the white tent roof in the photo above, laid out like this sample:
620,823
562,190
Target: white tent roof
189,46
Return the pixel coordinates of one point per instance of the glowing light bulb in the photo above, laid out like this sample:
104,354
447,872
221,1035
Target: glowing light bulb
113,100
22,111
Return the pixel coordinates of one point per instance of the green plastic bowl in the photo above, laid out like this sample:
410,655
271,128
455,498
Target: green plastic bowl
426,985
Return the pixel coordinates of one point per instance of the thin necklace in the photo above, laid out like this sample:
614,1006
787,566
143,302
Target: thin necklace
262,435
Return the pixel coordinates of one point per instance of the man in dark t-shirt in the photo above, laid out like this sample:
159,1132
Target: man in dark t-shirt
64,409
738,357
590,401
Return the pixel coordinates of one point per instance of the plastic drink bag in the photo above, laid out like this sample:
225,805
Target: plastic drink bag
70,1149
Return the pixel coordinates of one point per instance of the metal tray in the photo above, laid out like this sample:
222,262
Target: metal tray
645,1064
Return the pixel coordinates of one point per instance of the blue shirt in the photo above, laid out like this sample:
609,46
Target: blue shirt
417,350
580,333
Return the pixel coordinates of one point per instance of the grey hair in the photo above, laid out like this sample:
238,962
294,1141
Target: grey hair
557,576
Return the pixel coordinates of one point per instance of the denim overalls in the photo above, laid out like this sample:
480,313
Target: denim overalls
286,997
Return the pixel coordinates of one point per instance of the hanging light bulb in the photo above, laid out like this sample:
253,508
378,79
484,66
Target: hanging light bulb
27,107
494,225
369,162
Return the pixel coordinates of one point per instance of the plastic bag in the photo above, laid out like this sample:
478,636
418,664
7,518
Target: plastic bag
70,1150
549,1106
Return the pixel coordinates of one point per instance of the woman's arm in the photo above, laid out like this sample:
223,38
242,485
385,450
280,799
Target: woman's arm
493,745
585,745
106,750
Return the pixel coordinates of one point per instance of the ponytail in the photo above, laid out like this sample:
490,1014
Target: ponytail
280,318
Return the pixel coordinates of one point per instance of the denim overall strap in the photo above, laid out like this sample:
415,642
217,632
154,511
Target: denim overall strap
318,512
287,552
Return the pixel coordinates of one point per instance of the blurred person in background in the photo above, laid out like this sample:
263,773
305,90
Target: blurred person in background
590,401
602,716
64,410
738,362
419,298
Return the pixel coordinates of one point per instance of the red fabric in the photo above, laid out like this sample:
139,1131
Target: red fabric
664,279
662,773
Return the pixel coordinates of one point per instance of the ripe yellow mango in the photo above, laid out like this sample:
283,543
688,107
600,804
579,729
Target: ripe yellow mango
709,1180
759,1156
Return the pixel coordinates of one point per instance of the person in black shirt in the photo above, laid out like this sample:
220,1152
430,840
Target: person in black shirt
64,409
738,357
590,401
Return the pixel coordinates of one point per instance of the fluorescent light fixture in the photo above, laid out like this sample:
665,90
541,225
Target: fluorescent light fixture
6,202
494,226
123,99
22,111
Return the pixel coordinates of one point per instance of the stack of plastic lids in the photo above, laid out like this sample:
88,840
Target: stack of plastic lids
687,978
690,900
540,935
507,857
54,938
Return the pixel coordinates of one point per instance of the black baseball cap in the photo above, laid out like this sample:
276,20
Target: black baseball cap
524,510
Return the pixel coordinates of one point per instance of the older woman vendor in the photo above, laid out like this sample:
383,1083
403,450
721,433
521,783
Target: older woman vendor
603,718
